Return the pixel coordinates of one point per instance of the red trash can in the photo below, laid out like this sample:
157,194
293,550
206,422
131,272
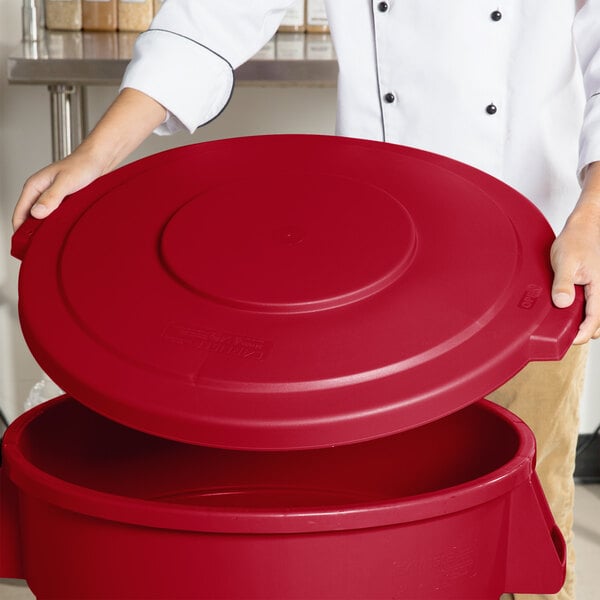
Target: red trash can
275,392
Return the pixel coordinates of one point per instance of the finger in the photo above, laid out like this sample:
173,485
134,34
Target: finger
32,189
19,217
590,326
563,286
51,198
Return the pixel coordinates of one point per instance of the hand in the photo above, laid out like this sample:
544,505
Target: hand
44,191
128,121
575,257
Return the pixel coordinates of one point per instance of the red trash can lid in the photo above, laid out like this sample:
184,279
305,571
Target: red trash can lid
288,291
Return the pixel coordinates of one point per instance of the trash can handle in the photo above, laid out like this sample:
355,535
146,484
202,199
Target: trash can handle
22,237
536,553
554,334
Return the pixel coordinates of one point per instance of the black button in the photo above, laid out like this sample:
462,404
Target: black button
496,15
383,7
389,97
491,109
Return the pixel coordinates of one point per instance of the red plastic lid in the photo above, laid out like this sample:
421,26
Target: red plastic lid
289,291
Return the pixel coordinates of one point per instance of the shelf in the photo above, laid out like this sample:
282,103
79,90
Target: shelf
94,58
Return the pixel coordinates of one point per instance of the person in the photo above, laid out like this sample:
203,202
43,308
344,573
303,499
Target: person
510,88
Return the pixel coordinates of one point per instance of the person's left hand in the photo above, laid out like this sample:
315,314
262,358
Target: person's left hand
575,257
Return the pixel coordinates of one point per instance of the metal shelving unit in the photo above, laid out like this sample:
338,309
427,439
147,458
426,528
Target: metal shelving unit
68,62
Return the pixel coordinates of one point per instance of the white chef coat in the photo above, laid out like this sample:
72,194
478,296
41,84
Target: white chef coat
424,73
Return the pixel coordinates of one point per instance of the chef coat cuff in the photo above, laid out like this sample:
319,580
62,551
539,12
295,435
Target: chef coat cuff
589,143
191,81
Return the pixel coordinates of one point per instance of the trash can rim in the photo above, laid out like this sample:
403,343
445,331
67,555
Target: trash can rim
48,488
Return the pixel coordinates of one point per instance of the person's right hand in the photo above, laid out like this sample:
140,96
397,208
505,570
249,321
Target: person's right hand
128,121
44,191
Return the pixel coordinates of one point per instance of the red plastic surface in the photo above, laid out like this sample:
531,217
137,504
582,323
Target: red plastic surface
289,291
10,548
451,509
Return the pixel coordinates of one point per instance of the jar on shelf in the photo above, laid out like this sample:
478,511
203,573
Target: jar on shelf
63,15
135,15
99,15
316,17
294,19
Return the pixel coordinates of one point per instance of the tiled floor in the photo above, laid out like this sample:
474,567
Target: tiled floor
587,544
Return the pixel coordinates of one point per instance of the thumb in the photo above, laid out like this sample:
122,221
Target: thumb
51,198
563,287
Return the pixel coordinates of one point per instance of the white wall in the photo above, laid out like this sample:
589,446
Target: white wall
590,406
25,147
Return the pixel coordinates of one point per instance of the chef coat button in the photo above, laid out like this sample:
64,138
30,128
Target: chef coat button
389,97
491,109
496,15
383,7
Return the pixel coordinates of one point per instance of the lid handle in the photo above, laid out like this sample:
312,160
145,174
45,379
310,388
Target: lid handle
22,237
554,335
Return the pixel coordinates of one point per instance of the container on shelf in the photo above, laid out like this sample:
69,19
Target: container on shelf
99,15
294,19
135,15
316,17
64,15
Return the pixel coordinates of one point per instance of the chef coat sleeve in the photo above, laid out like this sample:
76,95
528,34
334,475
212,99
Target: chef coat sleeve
185,60
586,31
